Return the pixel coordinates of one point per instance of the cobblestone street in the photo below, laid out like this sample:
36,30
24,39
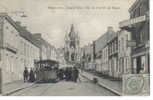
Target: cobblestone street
63,88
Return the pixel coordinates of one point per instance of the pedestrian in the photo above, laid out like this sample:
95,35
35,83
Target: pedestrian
75,74
67,74
60,74
25,74
70,74
32,76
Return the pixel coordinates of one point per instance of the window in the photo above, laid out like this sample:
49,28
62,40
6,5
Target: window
142,36
111,48
24,49
143,60
116,45
122,40
119,45
127,37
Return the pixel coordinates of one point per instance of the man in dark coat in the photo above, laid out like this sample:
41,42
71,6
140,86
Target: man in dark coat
70,74
25,74
67,74
75,74
32,76
60,74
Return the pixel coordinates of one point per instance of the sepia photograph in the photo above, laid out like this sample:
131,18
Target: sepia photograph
74,48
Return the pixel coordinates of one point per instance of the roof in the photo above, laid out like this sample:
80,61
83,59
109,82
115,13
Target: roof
112,36
102,41
47,61
22,31
136,3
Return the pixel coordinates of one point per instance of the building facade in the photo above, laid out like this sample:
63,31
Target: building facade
113,55
104,60
60,57
88,57
124,53
138,25
17,52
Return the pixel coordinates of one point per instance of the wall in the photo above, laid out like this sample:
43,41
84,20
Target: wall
17,54
10,58
124,53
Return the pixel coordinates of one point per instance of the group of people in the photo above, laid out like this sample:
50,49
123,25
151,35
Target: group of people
69,74
29,76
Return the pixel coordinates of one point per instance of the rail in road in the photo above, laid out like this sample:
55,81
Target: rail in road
63,88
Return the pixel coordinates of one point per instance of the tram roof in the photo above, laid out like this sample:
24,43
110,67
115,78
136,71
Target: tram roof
48,61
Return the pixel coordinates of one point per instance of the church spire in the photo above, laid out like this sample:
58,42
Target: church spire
72,28
72,32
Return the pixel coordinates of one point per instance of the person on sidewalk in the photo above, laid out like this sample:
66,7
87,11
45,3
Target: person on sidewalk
75,74
32,76
25,74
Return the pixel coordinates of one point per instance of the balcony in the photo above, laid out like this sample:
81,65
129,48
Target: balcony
130,22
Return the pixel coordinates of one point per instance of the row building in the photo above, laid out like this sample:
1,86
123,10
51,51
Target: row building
138,26
125,51
19,48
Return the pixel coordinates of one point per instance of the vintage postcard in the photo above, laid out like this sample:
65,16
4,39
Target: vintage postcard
74,48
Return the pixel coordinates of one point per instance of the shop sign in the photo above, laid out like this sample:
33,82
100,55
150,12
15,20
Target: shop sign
131,43
132,21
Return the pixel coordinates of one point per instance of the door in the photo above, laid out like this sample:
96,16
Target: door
138,64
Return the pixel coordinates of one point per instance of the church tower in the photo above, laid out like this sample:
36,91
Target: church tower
72,46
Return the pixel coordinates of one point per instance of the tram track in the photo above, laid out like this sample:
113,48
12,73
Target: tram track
64,88
41,88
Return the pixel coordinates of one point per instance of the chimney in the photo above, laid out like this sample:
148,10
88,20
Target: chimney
37,35
110,29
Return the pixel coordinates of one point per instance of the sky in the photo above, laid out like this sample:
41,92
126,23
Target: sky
53,18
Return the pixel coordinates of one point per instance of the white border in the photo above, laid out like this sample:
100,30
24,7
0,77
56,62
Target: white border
99,97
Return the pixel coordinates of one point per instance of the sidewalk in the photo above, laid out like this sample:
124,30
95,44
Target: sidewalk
14,87
114,86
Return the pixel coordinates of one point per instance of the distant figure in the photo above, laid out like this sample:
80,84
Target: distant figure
32,75
66,74
75,74
25,74
60,74
70,74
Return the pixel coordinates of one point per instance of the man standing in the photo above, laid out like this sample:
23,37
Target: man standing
25,74
32,76
75,74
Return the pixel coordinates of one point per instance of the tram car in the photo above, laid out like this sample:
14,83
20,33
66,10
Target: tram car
46,71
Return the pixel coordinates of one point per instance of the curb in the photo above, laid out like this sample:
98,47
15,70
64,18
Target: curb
104,86
16,90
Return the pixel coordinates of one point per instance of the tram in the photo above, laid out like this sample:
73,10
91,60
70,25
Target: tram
46,70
